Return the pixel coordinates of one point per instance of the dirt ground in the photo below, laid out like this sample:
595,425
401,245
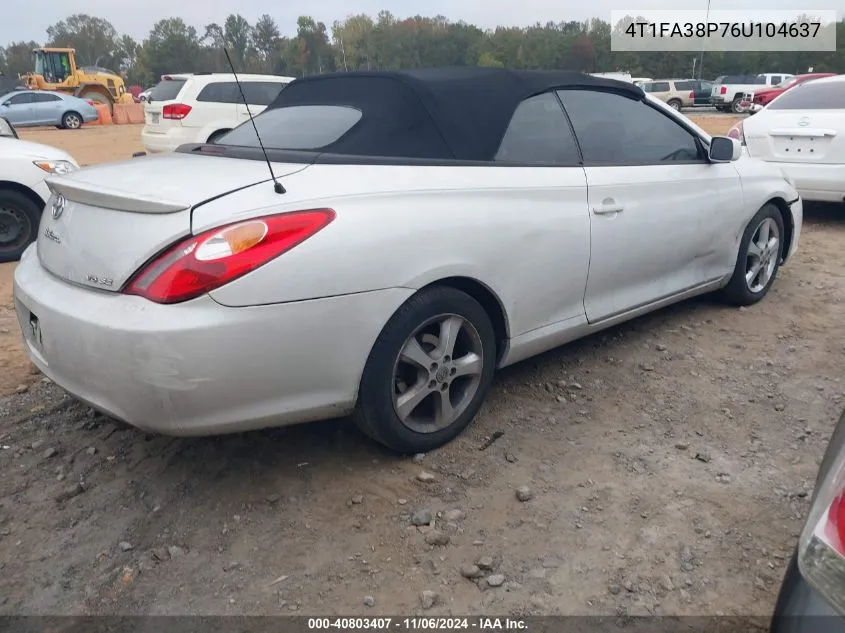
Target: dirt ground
669,459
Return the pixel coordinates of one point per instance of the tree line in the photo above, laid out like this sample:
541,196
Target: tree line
385,42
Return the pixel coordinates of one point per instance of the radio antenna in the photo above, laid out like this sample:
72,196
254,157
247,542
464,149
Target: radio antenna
277,186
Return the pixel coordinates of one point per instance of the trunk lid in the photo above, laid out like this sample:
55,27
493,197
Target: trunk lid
115,217
795,136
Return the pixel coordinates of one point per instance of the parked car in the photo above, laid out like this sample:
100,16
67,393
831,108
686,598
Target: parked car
639,81
23,167
803,132
728,90
812,596
419,230
674,92
680,93
145,95
25,108
762,97
700,92
200,108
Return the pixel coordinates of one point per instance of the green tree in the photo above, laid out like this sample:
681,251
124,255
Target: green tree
171,47
265,37
94,39
17,58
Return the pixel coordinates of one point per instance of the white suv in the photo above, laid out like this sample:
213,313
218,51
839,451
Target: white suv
198,108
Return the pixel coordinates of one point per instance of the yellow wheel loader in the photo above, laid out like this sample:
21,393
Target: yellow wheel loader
56,69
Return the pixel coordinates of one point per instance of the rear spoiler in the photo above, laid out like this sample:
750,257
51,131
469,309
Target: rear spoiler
98,196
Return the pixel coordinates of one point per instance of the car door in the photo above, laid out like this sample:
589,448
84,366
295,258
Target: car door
47,109
660,211
17,109
702,92
540,181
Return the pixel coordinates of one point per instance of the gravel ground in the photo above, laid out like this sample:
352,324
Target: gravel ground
660,467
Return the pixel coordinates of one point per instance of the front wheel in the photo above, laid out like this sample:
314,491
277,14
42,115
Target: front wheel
675,104
736,108
759,258
428,372
19,217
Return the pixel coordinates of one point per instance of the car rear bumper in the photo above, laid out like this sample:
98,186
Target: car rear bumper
168,140
818,183
719,101
801,609
199,368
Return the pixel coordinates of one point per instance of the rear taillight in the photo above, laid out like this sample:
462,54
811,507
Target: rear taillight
723,90
821,549
177,111
201,263
737,132
692,94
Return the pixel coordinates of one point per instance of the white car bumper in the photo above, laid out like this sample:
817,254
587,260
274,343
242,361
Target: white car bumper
199,367
817,183
166,140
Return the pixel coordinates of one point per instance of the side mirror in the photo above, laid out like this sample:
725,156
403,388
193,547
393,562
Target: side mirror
724,149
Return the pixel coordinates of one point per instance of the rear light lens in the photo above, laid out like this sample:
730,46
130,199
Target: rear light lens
723,90
201,263
737,132
177,111
821,549
692,94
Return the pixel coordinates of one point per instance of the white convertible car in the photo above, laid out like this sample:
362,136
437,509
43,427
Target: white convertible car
420,230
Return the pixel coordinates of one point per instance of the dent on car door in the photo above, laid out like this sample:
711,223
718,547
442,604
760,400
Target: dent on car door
660,211
544,198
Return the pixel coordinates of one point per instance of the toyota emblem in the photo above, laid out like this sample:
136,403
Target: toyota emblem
58,206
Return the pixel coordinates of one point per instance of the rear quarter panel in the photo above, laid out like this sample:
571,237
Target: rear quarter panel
523,232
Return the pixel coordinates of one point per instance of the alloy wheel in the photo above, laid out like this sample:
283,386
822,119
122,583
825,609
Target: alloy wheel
762,255
437,373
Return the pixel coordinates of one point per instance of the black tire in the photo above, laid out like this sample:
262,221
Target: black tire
376,414
675,104
738,292
735,105
214,137
19,218
71,121
723,108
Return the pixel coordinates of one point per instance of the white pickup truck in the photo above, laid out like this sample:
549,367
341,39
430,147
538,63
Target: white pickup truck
728,90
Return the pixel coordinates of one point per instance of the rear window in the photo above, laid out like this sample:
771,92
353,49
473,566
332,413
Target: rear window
166,89
309,127
812,95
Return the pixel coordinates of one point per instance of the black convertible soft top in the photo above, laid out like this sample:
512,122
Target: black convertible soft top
440,113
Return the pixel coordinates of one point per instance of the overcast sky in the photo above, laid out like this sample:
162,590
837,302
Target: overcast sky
29,19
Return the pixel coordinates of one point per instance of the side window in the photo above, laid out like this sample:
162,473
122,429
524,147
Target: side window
539,134
617,130
220,92
775,80
261,93
44,98
684,86
21,99
660,86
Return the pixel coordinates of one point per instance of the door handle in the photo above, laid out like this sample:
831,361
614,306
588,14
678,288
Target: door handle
608,207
